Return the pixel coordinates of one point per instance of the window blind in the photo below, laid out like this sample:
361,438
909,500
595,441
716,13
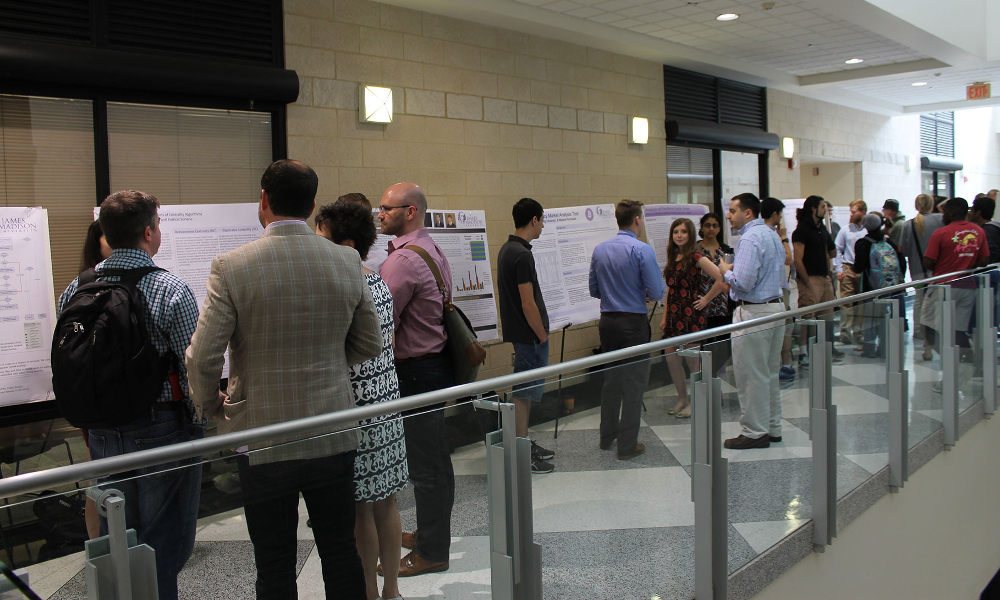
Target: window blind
47,160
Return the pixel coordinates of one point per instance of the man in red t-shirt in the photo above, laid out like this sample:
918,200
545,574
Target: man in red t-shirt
958,246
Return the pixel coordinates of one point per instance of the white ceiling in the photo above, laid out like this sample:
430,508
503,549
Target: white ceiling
795,45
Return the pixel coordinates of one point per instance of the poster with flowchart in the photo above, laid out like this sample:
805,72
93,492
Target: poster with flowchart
562,260
27,306
461,235
660,217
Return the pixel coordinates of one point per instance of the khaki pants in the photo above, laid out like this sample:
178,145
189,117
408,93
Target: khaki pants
850,321
756,360
815,289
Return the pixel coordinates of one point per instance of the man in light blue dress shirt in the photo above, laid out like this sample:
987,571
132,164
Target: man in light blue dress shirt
754,281
624,275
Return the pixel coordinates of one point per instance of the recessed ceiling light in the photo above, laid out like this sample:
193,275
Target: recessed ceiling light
854,61
918,83
727,17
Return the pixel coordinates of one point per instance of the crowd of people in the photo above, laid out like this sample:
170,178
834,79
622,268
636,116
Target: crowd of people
315,321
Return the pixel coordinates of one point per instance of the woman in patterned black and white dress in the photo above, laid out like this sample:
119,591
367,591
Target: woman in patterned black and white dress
380,468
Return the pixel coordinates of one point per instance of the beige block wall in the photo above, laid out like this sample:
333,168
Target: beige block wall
482,117
879,143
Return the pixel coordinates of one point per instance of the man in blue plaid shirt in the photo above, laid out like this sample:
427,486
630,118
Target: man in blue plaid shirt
754,281
162,508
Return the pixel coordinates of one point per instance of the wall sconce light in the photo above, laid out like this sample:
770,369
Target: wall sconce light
787,147
911,162
375,104
638,130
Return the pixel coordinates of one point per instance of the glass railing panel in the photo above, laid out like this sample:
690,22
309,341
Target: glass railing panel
861,394
769,487
968,339
613,524
46,534
923,361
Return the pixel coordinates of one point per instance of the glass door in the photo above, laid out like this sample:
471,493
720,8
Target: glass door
740,174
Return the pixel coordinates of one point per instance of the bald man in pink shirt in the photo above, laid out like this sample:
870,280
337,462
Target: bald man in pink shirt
422,366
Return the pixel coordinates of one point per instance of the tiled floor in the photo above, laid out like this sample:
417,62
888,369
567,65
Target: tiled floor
622,529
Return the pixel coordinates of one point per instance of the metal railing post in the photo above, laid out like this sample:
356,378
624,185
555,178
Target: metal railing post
709,483
515,560
988,343
823,430
897,380
949,365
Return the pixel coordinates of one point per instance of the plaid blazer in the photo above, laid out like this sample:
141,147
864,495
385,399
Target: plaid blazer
296,313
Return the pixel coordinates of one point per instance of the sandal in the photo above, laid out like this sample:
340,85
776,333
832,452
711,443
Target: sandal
672,411
681,415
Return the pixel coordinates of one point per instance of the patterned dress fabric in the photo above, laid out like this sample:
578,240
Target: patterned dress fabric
684,289
380,468
719,306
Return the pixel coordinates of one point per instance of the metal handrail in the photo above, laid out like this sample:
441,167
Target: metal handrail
65,475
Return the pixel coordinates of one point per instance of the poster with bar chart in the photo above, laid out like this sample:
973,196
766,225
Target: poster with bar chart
27,306
461,235
562,260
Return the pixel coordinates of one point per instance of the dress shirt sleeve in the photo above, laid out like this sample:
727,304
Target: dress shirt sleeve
206,354
746,266
650,271
595,289
66,295
397,273
841,244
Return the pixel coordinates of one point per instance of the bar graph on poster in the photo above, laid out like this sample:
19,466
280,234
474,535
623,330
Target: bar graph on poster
461,235
562,260
27,306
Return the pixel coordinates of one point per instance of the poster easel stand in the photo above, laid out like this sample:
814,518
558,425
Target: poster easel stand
562,355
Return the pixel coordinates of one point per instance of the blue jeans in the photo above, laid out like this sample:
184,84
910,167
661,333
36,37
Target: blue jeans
526,358
428,455
161,502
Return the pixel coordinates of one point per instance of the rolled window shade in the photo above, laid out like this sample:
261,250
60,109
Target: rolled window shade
47,160
188,155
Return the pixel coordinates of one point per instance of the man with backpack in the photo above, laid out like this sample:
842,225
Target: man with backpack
118,371
880,264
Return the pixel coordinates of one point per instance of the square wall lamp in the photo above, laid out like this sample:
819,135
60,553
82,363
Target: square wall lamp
638,130
375,104
787,147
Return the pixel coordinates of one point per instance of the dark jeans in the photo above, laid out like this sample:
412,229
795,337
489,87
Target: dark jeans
161,502
428,456
271,503
624,381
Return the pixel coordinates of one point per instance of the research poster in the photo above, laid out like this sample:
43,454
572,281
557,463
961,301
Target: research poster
562,260
192,235
660,217
461,235
27,306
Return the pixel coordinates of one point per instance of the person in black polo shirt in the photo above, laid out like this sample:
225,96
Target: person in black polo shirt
525,321
813,247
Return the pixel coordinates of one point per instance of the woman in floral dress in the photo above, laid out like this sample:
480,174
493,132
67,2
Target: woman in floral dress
380,467
685,304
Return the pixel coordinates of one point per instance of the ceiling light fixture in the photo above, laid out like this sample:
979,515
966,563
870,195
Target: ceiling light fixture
854,61
727,17
918,83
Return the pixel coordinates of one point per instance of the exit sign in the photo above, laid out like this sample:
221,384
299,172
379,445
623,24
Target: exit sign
977,91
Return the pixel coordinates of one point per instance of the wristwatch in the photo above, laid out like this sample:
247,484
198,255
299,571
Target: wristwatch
784,241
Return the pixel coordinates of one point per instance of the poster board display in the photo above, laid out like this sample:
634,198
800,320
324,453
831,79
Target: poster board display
660,217
562,260
192,235
461,235
27,306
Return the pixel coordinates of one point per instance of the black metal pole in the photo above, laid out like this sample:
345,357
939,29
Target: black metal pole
562,355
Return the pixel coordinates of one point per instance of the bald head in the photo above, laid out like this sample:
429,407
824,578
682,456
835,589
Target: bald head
402,209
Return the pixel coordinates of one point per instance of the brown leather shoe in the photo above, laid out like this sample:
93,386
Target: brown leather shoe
745,443
639,449
409,540
413,564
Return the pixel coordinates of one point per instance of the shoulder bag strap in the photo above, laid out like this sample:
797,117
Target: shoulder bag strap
433,267
916,240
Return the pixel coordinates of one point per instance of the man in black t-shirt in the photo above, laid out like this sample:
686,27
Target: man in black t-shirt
813,247
525,321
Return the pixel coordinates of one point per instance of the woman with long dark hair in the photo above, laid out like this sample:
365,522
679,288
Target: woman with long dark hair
95,249
685,303
718,312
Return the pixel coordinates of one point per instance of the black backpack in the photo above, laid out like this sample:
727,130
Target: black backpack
105,370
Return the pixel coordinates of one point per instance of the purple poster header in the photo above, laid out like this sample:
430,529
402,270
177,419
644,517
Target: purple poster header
674,210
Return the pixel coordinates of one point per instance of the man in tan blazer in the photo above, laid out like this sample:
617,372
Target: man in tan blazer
295,312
